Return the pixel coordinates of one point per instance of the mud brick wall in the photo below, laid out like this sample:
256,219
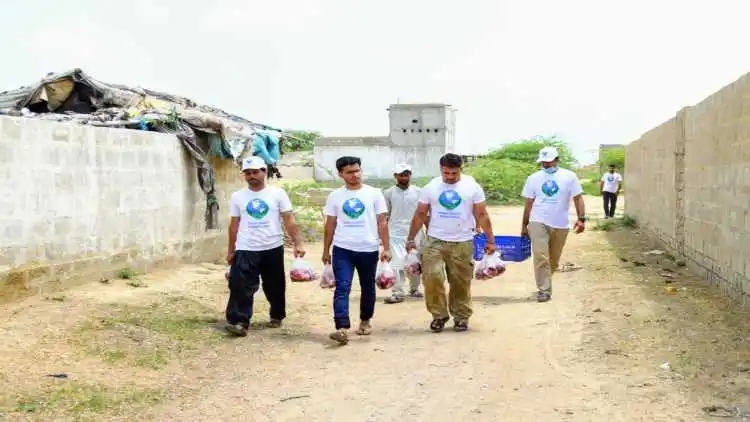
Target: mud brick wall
689,185
78,203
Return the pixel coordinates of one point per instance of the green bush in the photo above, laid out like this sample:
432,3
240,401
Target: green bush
502,179
302,141
614,156
527,151
503,171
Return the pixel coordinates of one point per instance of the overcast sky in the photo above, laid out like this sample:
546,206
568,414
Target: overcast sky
591,71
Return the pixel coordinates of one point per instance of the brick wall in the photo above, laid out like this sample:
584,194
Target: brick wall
689,184
78,203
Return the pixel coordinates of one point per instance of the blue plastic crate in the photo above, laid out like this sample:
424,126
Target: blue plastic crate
511,248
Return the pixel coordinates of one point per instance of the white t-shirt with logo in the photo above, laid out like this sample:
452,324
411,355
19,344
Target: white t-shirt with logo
611,181
452,208
356,214
260,217
552,194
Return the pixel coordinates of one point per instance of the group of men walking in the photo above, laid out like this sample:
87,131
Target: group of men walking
365,226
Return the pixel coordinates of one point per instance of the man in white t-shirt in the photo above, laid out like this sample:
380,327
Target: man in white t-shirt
455,203
610,186
545,216
356,224
256,247
402,201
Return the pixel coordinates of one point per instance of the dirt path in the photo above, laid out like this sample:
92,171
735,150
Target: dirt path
594,353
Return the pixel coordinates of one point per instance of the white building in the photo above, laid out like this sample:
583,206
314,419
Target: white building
419,135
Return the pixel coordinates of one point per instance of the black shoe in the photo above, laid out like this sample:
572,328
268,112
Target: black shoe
543,297
237,330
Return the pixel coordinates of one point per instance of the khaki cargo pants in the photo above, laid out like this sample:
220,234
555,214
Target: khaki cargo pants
456,257
546,245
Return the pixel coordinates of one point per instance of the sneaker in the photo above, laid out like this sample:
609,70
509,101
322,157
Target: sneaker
339,336
237,330
394,299
274,323
543,297
416,293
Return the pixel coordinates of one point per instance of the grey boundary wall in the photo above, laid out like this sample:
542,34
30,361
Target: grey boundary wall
688,185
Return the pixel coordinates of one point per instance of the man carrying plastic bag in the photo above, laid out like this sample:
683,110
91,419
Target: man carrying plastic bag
453,202
356,223
402,201
545,216
256,247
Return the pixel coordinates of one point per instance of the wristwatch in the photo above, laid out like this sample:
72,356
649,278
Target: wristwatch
582,219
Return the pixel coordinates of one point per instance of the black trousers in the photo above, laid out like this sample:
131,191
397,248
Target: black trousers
610,202
245,275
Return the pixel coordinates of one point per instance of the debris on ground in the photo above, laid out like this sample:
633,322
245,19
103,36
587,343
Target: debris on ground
568,267
654,252
726,412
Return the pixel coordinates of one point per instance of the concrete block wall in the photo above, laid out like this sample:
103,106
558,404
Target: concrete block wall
78,203
701,209
378,156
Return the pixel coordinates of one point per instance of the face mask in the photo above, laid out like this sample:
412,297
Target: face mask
550,170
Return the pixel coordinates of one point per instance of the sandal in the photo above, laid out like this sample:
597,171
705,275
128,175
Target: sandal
438,324
365,329
340,337
460,326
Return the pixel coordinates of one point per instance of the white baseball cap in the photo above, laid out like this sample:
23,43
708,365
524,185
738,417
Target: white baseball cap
400,168
547,154
253,163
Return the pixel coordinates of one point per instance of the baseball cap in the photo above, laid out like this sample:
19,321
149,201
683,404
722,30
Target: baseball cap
253,163
400,168
547,154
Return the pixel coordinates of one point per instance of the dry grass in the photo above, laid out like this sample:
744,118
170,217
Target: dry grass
77,401
147,336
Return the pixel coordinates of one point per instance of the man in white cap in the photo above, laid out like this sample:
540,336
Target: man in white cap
545,216
402,200
256,247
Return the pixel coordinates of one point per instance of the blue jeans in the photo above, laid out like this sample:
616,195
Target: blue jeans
344,263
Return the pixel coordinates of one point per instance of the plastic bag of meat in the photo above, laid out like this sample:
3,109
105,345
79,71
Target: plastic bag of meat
328,279
412,266
490,266
302,271
385,276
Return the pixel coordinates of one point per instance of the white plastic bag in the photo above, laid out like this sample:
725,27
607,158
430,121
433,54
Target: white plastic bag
328,279
412,266
226,274
490,266
302,271
385,277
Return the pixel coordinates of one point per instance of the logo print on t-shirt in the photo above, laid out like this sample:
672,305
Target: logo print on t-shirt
610,178
550,188
353,208
449,199
257,208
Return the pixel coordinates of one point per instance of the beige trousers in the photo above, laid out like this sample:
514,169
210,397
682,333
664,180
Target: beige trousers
547,246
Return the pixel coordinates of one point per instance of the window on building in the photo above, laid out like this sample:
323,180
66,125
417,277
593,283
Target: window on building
415,121
403,130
